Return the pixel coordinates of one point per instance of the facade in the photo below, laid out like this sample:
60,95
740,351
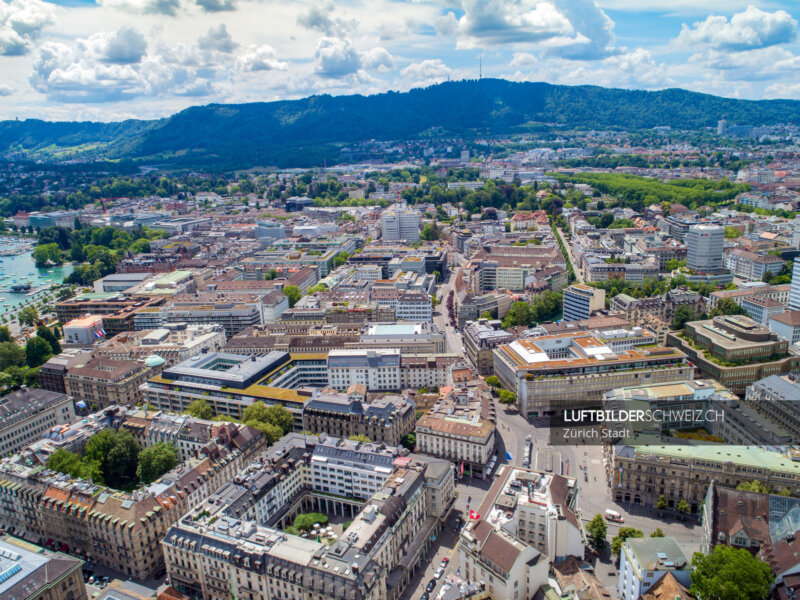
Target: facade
581,300
27,414
116,309
643,562
734,350
174,342
761,309
634,310
378,370
120,282
345,415
84,331
775,398
467,442
752,266
786,325
105,382
779,293
29,572
414,306
400,225
704,248
480,339
794,290
549,373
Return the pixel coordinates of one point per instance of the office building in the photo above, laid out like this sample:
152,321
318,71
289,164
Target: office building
120,282
116,309
786,324
779,293
385,420
704,248
794,290
580,301
480,340
102,382
465,439
27,414
30,572
752,266
399,225
378,370
734,350
549,373
643,562
761,309
174,343
776,398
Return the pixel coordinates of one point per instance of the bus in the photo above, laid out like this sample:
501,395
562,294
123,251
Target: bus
612,515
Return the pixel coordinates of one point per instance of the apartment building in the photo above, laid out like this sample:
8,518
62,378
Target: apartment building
663,307
30,572
761,309
581,300
25,415
385,420
467,442
378,370
117,310
779,293
751,266
480,339
786,325
549,373
174,342
644,562
104,382
429,371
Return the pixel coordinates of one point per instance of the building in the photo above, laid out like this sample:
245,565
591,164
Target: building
274,304
734,350
549,373
421,338
779,293
752,266
480,340
704,248
762,309
643,562
414,306
399,225
465,439
386,420
662,307
794,290
104,382
786,325
120,282
116,309
581,300
775,397
30,572
52,373
84,331
378,370
642,473
174,342
27,414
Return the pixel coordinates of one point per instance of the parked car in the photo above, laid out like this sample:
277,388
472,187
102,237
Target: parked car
445,560
431,585
439,572
425,596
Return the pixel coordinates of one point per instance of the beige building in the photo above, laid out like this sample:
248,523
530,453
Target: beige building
549,373
27,414
480,340
175,342
104,382
458,438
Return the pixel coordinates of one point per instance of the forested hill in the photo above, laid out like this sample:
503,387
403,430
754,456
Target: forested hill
301,132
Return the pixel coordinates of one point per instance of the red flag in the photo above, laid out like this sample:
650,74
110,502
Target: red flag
474,515
461,469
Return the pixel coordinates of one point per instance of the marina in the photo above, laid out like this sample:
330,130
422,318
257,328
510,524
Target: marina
21,281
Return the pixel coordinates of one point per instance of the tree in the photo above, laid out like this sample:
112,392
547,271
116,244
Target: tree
155,461
597,529
623,534
360,437
661,504
44,332
753,486
28,316
5,334
658,533
117,453
200,409
606,219
682,315
273,421
429,233
11,355
270,275
683,508
518,315
340,259
726,306
673,264
732,232
293,293
493,381
507,398
409,441
37,352
730,574
306,521
45,254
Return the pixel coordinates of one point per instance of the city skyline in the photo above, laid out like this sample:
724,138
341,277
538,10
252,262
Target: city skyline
116,59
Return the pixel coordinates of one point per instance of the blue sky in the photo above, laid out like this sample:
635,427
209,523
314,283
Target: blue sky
116,59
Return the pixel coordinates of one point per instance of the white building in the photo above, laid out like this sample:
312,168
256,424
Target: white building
794,292
400,225
378,370
414,306
28,413
581,300
644,561
786,325
350,469
704,248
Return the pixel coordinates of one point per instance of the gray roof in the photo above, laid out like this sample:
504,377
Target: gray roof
26,402
231,370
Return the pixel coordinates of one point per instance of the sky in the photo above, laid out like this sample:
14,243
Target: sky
108,60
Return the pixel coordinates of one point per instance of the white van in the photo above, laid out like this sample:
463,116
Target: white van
612,515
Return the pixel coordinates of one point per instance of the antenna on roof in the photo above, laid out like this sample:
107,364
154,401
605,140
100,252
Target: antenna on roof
480,67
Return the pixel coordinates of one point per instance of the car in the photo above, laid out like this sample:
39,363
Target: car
425,596
445,560
439,573
106,579
91,579
431,585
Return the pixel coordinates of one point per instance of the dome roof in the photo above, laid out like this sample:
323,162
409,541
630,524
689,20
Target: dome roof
154,361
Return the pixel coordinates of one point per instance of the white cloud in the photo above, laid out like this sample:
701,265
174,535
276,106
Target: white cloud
126,46
751,29
216,5
21,23
446,24
335,57
523,59
217,38
147,7
377,59
427,70
594,31
261,58
318,17
510,21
